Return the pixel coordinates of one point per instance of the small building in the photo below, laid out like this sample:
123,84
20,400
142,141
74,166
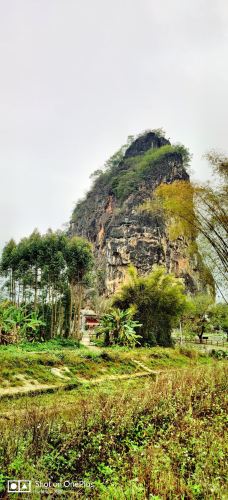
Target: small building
89,320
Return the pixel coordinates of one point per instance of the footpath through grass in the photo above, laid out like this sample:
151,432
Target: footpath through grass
56,363
135,440
21,367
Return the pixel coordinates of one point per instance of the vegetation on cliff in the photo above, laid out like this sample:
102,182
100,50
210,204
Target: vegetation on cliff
192,210
109,216
125,178
125,439
123,173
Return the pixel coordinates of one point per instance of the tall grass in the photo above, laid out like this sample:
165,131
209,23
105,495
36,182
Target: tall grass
157,440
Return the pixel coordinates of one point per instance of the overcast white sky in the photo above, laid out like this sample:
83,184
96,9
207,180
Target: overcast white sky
79,76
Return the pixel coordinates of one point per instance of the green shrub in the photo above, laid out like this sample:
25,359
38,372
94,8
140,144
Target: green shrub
140,167
119,328
158,300
219,354
17,324
190,353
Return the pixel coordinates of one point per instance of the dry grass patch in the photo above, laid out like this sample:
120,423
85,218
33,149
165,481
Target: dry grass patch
133,440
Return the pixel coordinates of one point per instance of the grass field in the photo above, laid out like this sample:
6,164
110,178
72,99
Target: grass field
129,439
20,367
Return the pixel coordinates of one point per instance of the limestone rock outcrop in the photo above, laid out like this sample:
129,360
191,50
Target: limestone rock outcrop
121,234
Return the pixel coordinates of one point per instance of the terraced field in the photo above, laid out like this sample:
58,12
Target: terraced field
117,424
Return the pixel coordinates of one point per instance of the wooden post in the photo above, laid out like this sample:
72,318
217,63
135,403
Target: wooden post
181,338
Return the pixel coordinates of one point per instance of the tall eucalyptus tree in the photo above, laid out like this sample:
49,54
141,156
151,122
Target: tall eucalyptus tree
47,274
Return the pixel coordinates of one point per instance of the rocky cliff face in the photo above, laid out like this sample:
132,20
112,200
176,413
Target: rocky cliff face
121,235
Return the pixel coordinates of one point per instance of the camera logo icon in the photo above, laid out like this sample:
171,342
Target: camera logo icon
21,486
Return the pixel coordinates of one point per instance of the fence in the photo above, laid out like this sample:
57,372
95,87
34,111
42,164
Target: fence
222,343
178,340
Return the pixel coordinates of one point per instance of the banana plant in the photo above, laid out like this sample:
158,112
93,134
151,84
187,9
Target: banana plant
31,326
118,327
15,323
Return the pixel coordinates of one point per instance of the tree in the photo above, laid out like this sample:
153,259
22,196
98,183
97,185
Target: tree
8,266
159,301
196,318
118,327
16,324
53,277
219,318
193,210
46,275
79,259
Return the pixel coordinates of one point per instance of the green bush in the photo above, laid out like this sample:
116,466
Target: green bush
219,354
16,323
158,300
119,328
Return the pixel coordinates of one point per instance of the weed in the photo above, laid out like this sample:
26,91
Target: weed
190,353
131,441
219,354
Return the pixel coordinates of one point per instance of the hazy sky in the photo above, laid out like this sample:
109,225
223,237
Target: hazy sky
79,76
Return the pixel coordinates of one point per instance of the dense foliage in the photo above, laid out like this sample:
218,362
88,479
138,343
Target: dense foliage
118,327
218,315
122,175
46,275
192,210
204,317
159,301
16,323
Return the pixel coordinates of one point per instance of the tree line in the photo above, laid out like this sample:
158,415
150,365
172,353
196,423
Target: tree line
47,274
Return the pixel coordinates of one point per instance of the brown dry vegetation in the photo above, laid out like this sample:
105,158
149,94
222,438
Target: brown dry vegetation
137,440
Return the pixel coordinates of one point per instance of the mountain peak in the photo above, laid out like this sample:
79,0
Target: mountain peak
145,141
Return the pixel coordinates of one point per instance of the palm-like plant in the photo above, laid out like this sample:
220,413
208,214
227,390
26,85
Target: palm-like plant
31,326
9,323
118,327
15,323
159,301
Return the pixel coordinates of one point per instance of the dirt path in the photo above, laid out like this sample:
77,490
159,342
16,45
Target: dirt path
36,388
41,389
87,342
28,389
33,387
124,376
141,365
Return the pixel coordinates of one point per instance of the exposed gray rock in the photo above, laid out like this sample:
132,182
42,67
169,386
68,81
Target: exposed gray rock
122,235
